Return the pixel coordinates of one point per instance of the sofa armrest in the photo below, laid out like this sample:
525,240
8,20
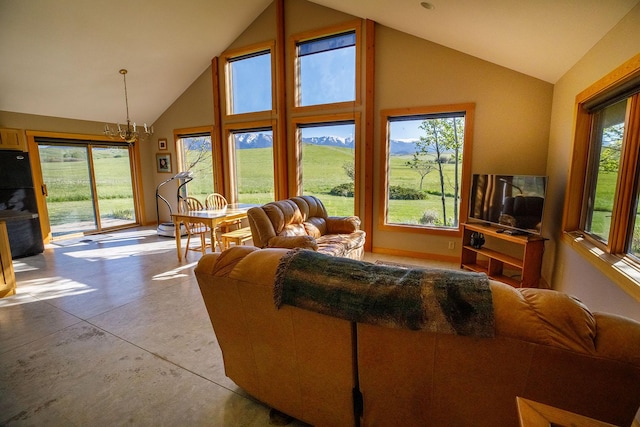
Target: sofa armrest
292,242
342,224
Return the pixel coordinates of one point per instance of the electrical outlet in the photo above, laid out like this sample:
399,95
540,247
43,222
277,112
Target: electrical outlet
452,245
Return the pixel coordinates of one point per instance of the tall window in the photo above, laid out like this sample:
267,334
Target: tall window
254,178
602,198
328,164
609,211
249,82
196,157
426,177
327,69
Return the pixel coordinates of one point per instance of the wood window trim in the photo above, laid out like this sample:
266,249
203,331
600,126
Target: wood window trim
621,269
294,87
469,111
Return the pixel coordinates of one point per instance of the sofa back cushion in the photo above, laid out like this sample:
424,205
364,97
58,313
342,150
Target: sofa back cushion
310,207
316,227
286,218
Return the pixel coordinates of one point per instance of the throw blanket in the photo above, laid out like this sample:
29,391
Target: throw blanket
437,300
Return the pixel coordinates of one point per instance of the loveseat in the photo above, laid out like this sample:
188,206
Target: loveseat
303,222
327,371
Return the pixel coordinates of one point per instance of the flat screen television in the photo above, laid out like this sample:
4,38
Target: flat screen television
513,203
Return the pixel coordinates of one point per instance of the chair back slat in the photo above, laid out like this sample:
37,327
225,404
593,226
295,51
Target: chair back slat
215,201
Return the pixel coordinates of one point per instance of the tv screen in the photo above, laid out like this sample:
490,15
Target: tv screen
512,202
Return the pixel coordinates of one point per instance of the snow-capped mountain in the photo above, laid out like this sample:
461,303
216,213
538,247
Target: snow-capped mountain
261,140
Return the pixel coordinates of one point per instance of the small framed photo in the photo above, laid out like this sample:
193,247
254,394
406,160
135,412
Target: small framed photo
163,162
162,144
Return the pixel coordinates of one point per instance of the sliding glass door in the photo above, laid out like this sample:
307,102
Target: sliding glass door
89,186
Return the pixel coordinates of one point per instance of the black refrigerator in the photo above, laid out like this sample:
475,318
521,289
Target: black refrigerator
18,207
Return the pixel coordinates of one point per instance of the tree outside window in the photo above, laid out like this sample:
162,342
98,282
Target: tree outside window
196,157
425,155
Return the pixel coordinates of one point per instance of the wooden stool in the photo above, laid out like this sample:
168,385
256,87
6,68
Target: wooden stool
236,236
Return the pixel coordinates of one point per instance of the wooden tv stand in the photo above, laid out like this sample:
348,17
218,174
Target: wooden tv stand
512,259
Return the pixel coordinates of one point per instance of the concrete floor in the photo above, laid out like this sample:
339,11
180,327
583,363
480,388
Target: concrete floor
112,330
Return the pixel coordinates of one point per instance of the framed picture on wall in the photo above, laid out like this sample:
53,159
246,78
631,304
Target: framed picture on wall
162,144
163,162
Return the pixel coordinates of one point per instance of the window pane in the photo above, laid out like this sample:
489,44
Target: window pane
328,165
197,158
114,187
65,171
425,170
606,146
254,166
327,70
250,83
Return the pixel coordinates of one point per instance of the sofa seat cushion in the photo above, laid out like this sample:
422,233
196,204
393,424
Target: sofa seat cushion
340,244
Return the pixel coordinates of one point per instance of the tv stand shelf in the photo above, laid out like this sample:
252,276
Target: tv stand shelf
512,259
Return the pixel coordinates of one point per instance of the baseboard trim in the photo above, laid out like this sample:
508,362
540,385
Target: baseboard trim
419,255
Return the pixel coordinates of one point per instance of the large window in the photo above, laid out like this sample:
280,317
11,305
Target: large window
89,185
254,171
601,206
327,164
426,157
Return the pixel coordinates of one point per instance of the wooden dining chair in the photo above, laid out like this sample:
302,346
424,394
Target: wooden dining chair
218,201
215,201
195,228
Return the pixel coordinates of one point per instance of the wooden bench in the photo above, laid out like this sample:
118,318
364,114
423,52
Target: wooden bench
236,236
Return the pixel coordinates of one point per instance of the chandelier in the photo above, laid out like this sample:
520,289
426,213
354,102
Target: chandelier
127,133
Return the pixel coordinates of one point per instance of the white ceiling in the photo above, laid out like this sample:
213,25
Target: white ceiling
61,57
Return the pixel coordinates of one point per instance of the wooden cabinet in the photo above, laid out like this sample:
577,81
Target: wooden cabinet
512,259
12,139
7,274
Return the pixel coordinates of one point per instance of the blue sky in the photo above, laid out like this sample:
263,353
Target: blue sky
326,77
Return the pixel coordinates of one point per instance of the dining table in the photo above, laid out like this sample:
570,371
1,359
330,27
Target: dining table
209,217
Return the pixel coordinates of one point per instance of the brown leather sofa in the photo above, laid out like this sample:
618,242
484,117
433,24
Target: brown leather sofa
548,347
303,222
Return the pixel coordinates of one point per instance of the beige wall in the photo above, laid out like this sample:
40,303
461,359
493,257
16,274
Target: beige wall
512,110
194,108
571,273
511,123
49,124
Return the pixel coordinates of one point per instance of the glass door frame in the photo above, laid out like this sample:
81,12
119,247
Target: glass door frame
97,140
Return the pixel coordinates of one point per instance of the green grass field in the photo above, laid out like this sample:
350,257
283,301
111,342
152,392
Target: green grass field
322,170
70,200
66,175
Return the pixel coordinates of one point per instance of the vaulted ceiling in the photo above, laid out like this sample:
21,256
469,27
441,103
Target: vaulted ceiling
61,57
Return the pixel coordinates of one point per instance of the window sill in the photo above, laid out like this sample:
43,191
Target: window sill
622,271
